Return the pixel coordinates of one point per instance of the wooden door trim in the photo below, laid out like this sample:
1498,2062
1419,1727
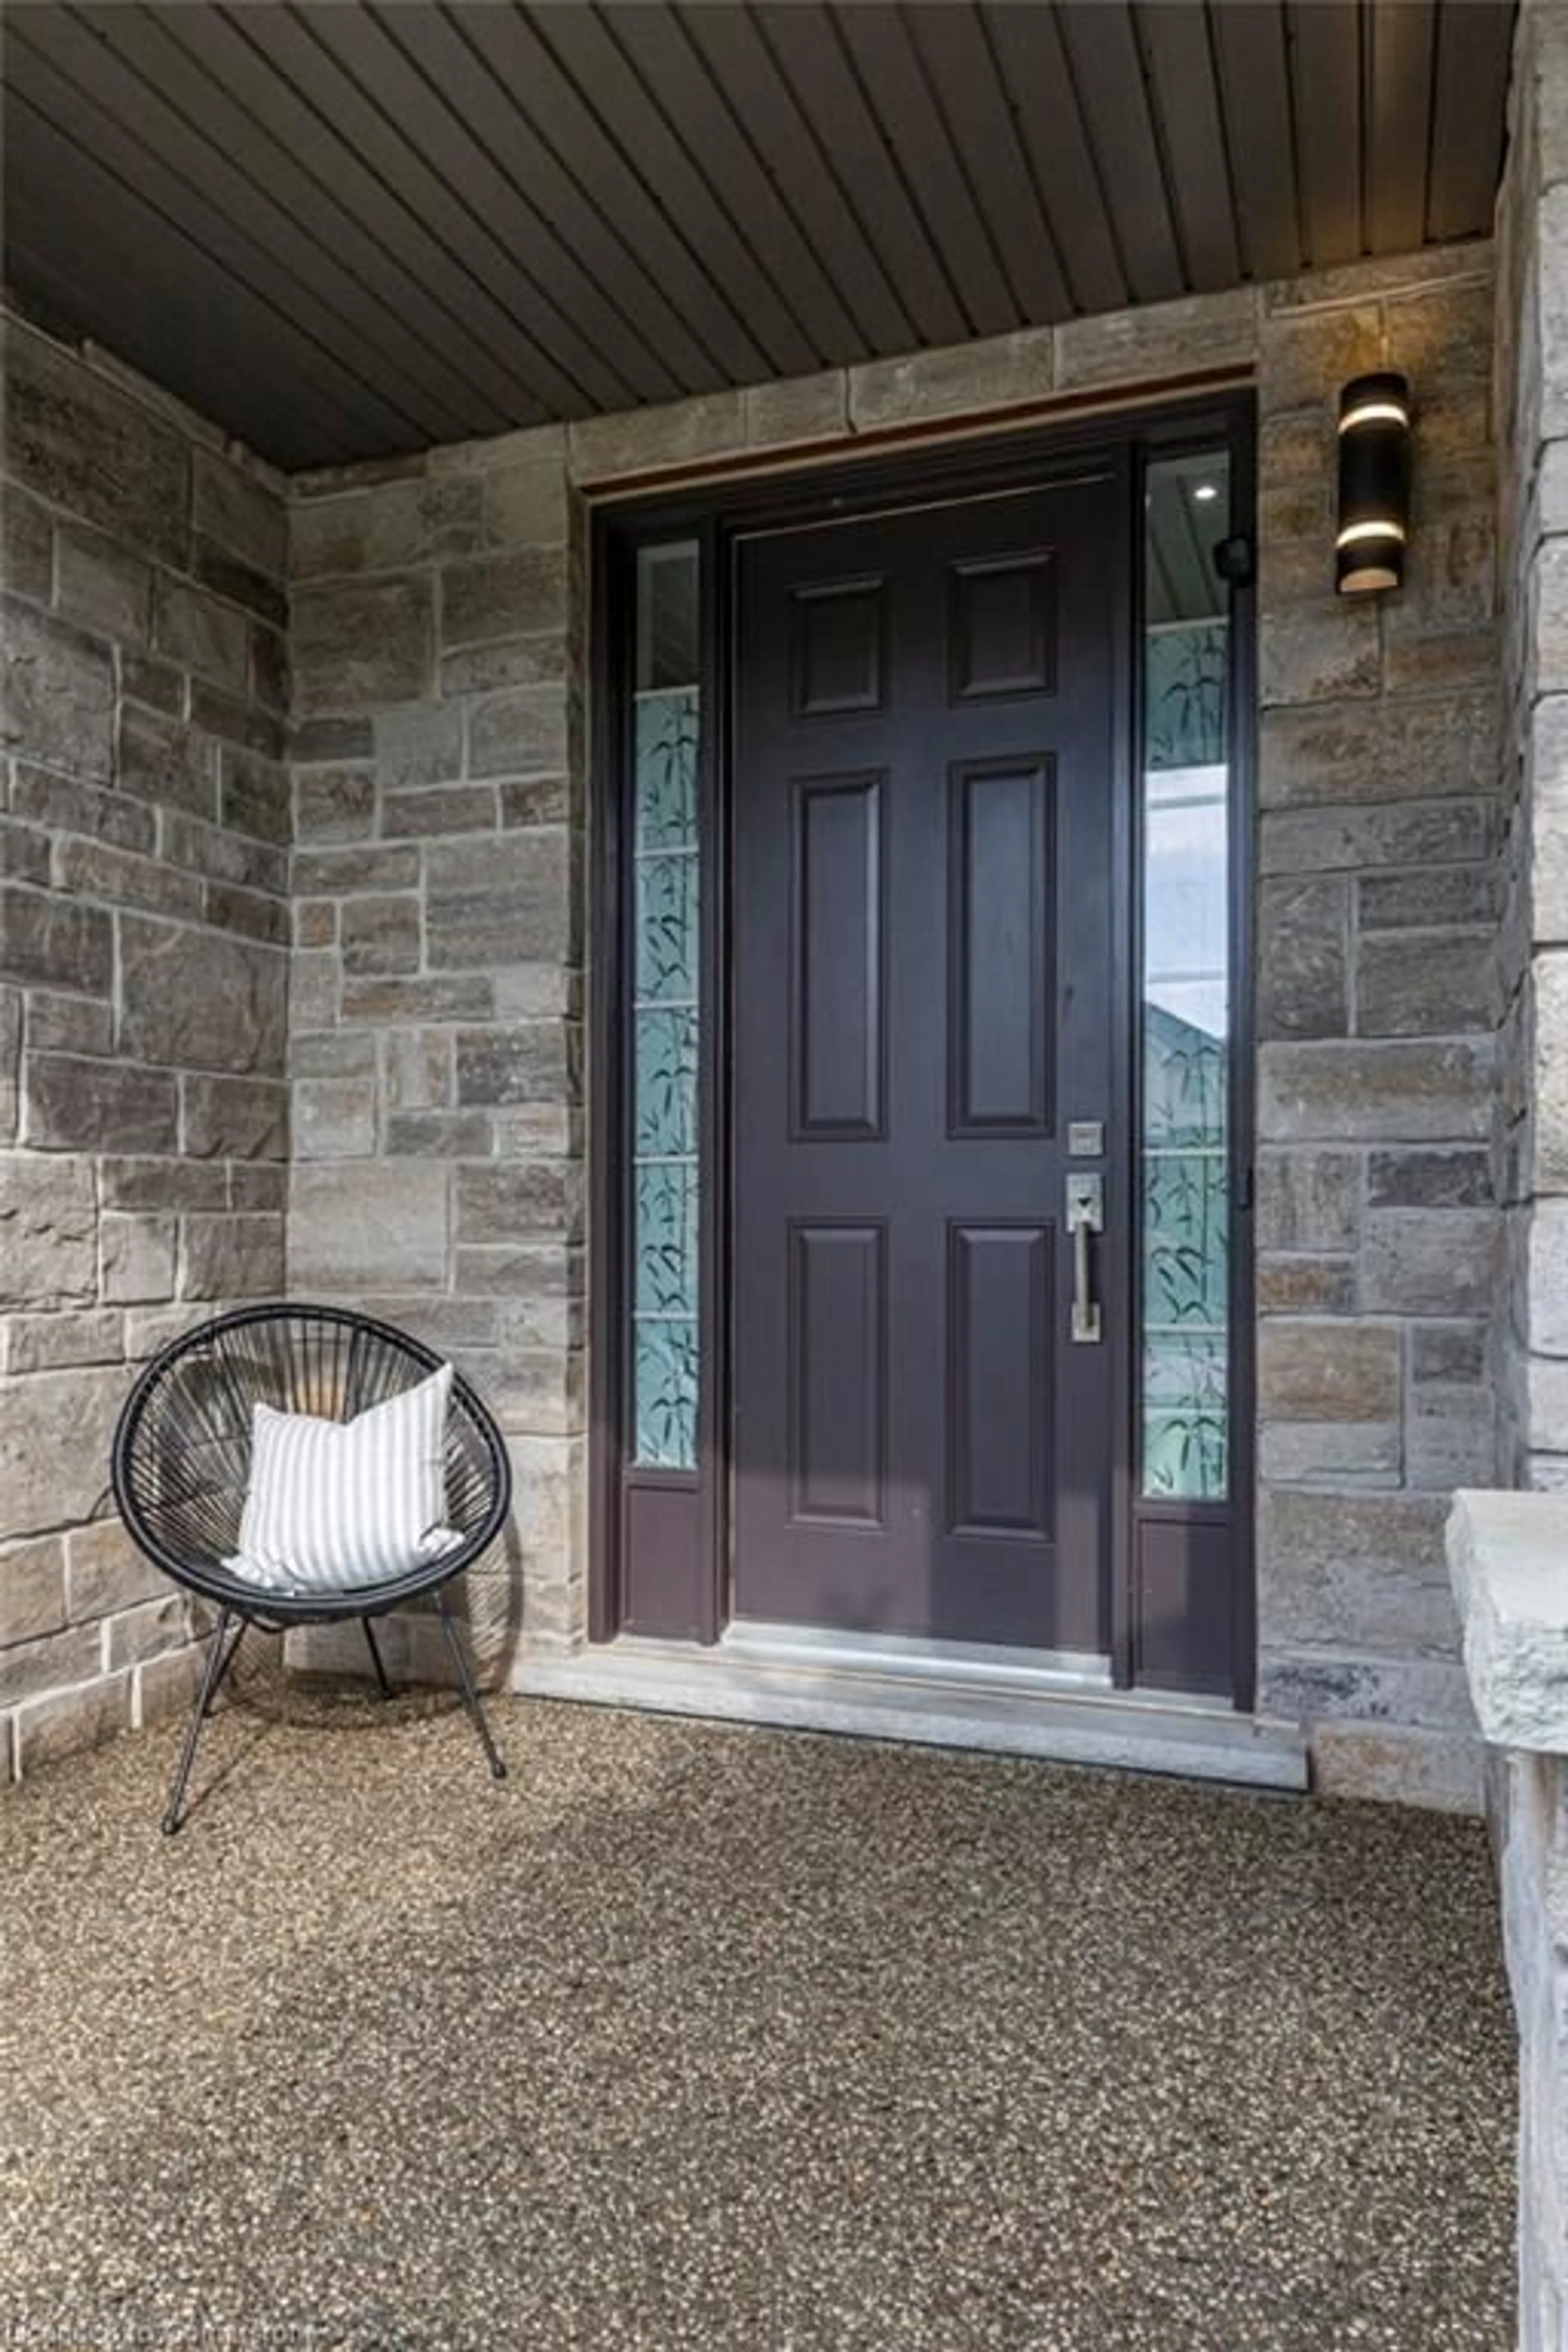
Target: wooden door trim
716,513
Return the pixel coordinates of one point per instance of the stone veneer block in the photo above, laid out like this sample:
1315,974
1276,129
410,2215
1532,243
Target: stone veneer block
27,547
360,644
1159,339
1353,1572
1375,1093
1323,1372
66,1721
493,903
239,1118
1351,840
526,497
998,373
367,1225
519,595
1441,747
32,1590
70,1103
645,440
55,1433
57,691
387,527
240,512
84,446
48,1232
201,634
803,408
418,743
199,1000
106,1572
104,585
232,1257
1508,1557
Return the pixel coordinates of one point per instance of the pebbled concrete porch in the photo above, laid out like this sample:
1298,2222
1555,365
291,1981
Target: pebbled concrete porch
689,2037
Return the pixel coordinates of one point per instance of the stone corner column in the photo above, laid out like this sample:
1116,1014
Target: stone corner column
1508,1557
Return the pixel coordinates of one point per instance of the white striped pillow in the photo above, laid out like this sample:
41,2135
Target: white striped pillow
335,1504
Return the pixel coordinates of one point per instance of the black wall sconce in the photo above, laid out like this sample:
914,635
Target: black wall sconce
1375,483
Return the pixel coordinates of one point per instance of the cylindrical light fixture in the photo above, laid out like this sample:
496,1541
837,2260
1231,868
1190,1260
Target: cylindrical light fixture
1375,483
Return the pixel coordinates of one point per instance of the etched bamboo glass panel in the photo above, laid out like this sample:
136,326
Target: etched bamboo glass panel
666,1009
1187,986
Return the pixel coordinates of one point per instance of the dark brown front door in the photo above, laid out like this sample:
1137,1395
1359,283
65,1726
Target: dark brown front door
925,916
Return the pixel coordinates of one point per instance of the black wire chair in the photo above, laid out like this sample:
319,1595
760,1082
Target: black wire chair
182,1463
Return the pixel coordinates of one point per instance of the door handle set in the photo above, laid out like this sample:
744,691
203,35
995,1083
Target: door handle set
1085,1216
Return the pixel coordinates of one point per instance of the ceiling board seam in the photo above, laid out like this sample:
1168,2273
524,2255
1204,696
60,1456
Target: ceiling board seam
397,262
528,203
896,166
270,201
561,155
1162,151
1247,258
831,172
459,265
955,148
25,302
188,236
1085,130
717,200
463,328
1434,86
532,331
1305,252
1022,151
1363,128
819,261
1227,152
679,382
634,172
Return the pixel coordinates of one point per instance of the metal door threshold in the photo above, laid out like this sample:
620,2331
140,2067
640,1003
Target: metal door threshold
1007,1703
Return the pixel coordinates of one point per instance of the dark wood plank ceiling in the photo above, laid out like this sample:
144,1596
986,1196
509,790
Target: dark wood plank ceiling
343,230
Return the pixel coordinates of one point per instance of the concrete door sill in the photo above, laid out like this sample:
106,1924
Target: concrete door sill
773,1675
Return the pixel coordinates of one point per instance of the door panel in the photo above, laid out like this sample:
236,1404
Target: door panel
837,1342
923,969
1000,1297
838,1009
1001,905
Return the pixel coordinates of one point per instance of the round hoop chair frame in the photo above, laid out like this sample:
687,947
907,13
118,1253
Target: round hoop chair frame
180,1464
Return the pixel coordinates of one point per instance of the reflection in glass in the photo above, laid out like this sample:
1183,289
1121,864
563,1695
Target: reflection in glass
1184,1204
664,1009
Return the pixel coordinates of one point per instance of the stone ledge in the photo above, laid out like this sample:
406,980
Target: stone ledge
1508,1559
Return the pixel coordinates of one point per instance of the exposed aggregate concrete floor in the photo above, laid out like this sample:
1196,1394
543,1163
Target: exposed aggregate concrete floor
705,2040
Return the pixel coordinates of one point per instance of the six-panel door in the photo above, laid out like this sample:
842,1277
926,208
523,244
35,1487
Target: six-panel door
924,967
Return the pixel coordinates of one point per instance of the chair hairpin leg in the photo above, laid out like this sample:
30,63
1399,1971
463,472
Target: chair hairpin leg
374,1648
470,1694
220,1657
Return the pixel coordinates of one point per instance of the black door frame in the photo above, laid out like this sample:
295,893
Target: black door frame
686,1540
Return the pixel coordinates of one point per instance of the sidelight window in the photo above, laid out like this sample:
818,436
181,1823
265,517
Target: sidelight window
666,1009
1186,995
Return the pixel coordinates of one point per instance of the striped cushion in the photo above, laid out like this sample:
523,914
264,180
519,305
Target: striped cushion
332,1505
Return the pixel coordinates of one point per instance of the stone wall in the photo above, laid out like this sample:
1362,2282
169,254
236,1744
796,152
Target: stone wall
1531,1136
1376,1001
144,828
1505,1554
435,1043
440,922
1532,1821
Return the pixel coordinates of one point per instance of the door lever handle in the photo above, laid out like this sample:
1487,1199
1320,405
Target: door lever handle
1084,1215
